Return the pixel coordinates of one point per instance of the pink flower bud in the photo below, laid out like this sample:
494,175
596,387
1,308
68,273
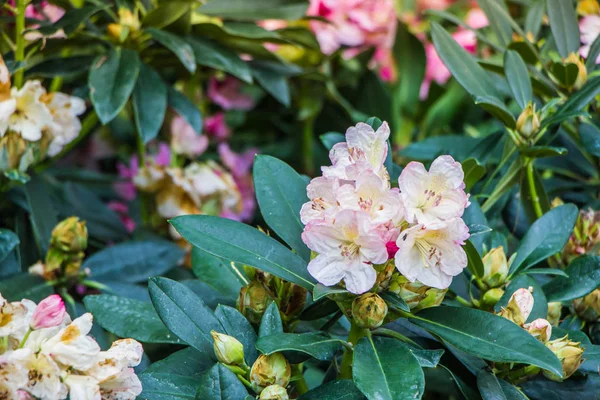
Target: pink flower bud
50,312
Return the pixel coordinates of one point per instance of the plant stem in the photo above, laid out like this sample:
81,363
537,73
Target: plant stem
355,335
300,383
535,200
25,338
20,42
307,146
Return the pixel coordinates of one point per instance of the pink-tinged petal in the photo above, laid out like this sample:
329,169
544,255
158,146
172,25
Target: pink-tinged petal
589,27
327,270
48,313
227,94
524,301
392,248
466,39
360,278
449,171
322,237
163,157
185,140
216,126
476,18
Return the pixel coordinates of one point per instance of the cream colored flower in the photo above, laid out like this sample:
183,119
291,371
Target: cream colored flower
44,376
13,318
13,376
66,126
31,116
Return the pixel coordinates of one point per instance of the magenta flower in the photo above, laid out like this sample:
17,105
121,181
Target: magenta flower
227,94
240,166
216,126
48,313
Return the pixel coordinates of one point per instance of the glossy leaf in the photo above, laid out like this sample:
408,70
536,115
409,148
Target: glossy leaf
321,291
134,261
255,10
583,277
565,73
474,262
185,108
149,103
395,301
540,303
564,26
343,389
544,151
148,328
273,81
166,13
375,370
184,313
474,171
177,45
541,388
581,98
489,387
498,23
111,81
214,55
518,78
487,336
497,109
8,242
219,383
331,138
317,345
243,244
162,386
281,192
236,325
42,213
590,138
427,358
590,61
222,275
187,362
410,55
25,286
270,324
546,236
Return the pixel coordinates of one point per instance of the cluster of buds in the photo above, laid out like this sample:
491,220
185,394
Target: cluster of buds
416,295
269,375
129,23
495,274
569,353
355,221
263,289
66,252
33,123
585,238
45,355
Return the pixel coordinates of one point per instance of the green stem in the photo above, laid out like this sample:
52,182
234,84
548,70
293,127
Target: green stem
20,42
25,338
300,383
355,335
394,334
307,146
535,200
464,302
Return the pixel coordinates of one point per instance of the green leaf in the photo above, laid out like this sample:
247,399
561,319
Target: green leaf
497,109
474,262
166,13
487,336
270,323
187,362
376,372
185,108
236,325
281,192
583,277
184,313
474,171
518,78
462,65
319,309
427,358
243,244
489,387
161,386
71,20
590,138
591,357
410,55
581,98
565,73
511,392
395,301
564,26
117,315
478,229
535,15
222,275
540,303
111,81
321,291
219,383
273,81
177,45
546,236
25,286
544,151
255,10
134,261
329,139
541,388
590,61
52,67
214,55
498,24
8,242
343,389
317,345
546,271
149,103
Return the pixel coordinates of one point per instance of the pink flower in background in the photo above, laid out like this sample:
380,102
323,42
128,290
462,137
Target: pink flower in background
353,23
589,27
476,18
185,140
434,4
216,126
227,94
126,189
123,211
240,166
383,59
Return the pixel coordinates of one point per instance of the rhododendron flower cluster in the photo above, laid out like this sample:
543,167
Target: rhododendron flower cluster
45,355
355,219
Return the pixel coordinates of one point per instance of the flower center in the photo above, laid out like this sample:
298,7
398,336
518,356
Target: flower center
430,198
349,250
430,253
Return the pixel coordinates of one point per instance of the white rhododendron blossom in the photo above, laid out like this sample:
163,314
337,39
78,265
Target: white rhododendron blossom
355,219
58,359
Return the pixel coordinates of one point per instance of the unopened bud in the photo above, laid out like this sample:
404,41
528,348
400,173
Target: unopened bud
585,238
588,307
48,313
519,307
416,295
539,329
554,311
495,267
274,392
253,301
228,349
582,70
588,7
528,122
129,19
70,235
569,353
491,297
369,310
270,370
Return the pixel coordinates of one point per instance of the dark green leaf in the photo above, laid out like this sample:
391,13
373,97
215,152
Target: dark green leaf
511,392
474,171
136,319
162,386
318,345
540,388
236,325
540,303
395,301
214,55
544,151
134,261
335,390
564,25
477,229
281,192
219,383
25,286
273,81
166,13
497,109
583,277
497,22
185,108
535,15
427,358
270,323
71,20
222,275
474,264
149,103
321,291
546,236
184,313
8,242
41,211
581,98
546,271
111,81
410,55
255,10
518,78
590,61
61,66
565,73
329,139
187,362
591,357
487,336
375,370
590,138
489,387
319,309
241,243
177,45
